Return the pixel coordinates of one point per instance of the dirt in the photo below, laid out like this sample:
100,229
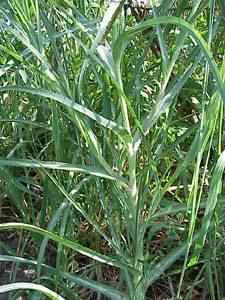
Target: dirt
7,269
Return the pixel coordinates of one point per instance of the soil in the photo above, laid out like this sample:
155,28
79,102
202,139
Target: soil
7,269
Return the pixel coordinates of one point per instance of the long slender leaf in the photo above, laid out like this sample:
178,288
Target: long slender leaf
84,282
69,103
70,244
27,163
30,286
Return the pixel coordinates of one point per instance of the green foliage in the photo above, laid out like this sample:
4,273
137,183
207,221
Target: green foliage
111,153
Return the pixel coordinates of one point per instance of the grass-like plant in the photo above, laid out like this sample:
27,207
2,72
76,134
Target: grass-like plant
112,148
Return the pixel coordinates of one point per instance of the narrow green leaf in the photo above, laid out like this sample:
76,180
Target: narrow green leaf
119,130
54,165
30,286
106,24
26,122
52,224
154,272
124,39
215,189
84,282
70,244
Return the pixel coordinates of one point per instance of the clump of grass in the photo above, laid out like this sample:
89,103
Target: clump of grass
112,148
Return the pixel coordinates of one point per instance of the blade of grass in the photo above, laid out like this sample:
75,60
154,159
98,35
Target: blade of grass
30,286
84,282
215,190
105,27
70,104
194,199
123,40
70,244
58,166
44,243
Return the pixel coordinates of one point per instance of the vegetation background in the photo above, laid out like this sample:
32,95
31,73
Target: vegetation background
111,149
